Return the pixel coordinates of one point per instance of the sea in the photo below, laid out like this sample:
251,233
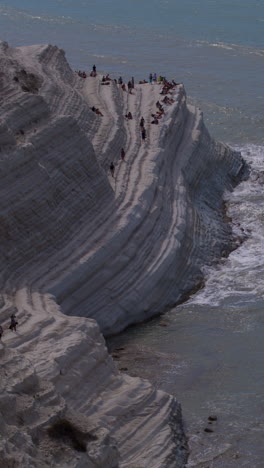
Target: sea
209,351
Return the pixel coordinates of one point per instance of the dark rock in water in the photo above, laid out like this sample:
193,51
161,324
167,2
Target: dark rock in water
212,418
207,429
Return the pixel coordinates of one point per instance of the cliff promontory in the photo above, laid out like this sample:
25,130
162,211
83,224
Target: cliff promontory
79,246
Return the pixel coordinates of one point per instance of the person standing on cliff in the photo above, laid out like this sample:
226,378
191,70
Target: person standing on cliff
129,87
112,169
13,323
93,72
122,154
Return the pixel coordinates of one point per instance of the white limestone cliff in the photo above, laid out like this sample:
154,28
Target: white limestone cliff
77,245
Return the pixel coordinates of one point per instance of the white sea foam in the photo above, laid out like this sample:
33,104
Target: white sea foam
221,45
240,276
16,14
240,49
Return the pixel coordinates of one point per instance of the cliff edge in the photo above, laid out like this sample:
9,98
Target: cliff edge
78,244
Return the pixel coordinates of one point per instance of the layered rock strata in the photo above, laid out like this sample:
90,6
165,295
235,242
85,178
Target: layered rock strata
77,245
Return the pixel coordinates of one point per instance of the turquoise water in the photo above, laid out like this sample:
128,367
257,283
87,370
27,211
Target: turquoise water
215,47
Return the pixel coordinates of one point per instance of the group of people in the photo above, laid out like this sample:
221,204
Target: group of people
165,90
159,113
106,80
12,326
82,74
130,84
167,100
112,166
167,86
154,79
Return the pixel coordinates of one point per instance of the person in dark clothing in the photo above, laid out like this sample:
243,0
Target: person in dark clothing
94,68
143,133
13,323
112,169
142,121
122,154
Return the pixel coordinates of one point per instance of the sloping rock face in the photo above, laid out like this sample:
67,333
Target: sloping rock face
115,249
167,218
62,400
78,244
38,430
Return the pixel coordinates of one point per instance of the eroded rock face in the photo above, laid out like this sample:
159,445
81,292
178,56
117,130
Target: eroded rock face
69,229
120,420
37,428
78,244
119,249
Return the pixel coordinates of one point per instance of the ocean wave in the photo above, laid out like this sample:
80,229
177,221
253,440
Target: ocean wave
221,45
242,49
98,56
16,14
239,278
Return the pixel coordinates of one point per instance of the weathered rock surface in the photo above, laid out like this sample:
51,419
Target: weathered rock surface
77,244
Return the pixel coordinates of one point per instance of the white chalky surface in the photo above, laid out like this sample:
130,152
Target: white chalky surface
78,244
